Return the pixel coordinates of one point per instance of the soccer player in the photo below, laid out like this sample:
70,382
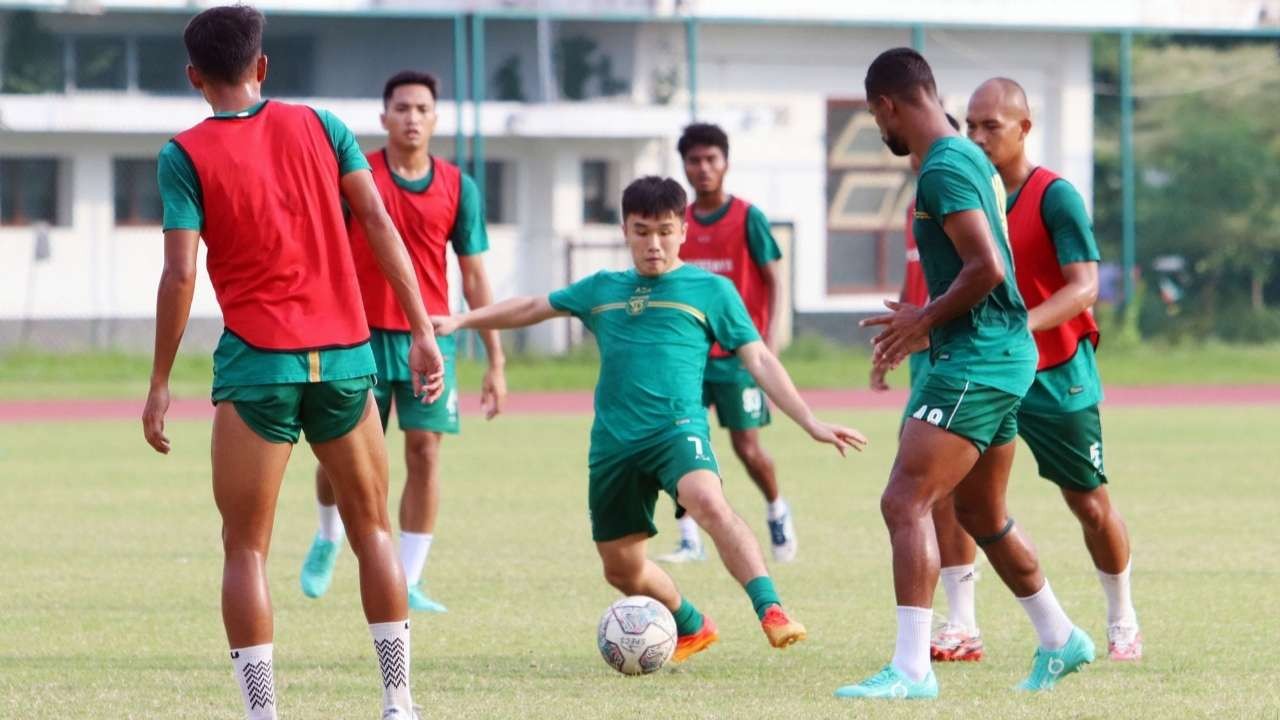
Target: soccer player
729,236
431,203
655,324
1057,273
960,435
262,182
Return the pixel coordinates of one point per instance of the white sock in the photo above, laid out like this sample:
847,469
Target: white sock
689,530
957,583
257,681
1050,620
391,642
778,508
413,555
1119,603
911,653
331,527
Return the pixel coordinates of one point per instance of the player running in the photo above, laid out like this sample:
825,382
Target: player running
431,203
262,182
960,435
1057,272
655,324
731,237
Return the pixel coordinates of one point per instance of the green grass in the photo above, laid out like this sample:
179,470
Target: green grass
111,568
813,363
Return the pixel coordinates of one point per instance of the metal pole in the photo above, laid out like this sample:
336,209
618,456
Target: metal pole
1128,216
917,38
477,102
691,51
459,89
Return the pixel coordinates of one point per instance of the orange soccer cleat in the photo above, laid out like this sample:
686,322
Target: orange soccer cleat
781,630
689,645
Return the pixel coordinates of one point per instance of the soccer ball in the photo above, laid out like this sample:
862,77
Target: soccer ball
637,635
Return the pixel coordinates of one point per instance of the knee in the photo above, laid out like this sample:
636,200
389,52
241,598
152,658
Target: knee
708,509
622,577
747,448
899,506
1092,512
421,450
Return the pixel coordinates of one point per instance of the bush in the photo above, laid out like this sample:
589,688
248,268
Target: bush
1247,325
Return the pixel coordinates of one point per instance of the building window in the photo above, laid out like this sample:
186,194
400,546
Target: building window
100,63
162,63
28,190
290,66
499,192
598,198
137,194
32,59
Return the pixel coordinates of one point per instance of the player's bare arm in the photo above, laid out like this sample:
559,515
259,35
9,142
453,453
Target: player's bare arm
906,329
1078,295
425,360
173,307
770,272
516,312
773,378
479,294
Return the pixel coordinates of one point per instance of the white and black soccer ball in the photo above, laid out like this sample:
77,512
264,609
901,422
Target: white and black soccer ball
637,635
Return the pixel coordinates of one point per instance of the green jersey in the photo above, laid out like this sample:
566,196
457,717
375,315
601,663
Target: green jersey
1074,385
989,345
654,334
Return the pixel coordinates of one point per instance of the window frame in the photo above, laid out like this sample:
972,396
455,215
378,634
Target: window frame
57,208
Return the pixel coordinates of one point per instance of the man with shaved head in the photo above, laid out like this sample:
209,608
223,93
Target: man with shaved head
1057,273
960,433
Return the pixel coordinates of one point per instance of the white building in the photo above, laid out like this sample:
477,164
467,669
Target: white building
580,97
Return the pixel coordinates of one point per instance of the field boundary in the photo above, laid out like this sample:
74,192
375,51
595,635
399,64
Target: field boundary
579,402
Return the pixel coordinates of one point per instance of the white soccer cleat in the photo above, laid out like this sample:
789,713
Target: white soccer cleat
685,552
782,535
395,713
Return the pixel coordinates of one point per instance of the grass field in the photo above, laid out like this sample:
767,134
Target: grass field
111,563
814,363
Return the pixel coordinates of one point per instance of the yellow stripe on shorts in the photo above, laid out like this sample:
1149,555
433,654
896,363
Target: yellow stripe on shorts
313,366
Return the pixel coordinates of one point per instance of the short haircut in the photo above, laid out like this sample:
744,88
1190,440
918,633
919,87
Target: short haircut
409,77
703,134
652,197
899,73
224,42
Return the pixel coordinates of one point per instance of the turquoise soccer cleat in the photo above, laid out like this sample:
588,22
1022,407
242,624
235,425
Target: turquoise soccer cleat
889,684
1048,666
420,601
317,569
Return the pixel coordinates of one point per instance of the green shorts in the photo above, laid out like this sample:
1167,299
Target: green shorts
1067,447
622,489
391,353
981,414
739,402
279,413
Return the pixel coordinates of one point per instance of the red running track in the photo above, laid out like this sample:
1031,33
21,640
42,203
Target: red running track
580,402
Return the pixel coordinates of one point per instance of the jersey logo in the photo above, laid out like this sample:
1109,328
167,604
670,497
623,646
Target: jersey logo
638,302
922,215
703,238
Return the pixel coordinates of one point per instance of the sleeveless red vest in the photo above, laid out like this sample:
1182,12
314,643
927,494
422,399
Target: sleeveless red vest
722,248
1039,275
425,220
278,258
915,289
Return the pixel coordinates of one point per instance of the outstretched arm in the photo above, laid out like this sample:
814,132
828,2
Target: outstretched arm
475,288
772,377
173,308
514,312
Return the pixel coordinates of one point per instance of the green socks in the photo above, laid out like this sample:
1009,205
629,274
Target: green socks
688,619
762,595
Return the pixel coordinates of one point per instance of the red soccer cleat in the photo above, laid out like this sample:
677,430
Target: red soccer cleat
689,645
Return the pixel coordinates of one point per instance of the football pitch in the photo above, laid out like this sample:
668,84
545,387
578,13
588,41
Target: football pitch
110,566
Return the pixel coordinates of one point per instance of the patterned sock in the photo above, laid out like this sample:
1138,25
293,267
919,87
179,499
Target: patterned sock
762,594
391,642
257,681
413,555
688,619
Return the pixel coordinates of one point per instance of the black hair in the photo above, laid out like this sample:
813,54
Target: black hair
224,42
899,73
703,134
409,77
955,124
652,197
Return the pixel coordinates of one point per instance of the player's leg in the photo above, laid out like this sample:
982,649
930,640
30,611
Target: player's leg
346,436
317,567
980,506
760,467
248,470
689,548
419,506
1068,452
700,491
959,637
